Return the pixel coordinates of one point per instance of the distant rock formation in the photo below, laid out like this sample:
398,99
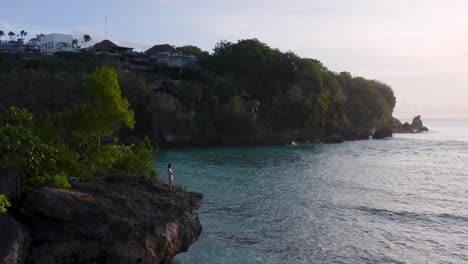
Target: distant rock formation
109,220
415,127
382,133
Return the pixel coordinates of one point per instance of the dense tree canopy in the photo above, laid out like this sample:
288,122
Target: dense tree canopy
207,103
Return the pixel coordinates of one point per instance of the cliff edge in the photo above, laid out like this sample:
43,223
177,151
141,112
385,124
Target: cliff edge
112,219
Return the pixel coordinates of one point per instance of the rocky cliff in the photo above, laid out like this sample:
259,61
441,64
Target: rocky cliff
110,220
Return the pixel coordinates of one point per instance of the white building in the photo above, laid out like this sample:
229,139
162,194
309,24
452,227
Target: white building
56,42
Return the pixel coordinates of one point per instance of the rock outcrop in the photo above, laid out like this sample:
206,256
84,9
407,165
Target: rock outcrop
382,133
417,124
334,138
347,134
415,127
111,220
357,134
14,240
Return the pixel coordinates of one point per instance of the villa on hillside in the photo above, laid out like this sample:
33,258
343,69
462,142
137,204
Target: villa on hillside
19,46
109,48
48,44
127,58
167,54
56,42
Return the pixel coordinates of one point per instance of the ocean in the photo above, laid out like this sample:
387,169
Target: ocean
397,200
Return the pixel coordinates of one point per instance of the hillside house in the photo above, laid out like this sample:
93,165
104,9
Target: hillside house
18,46
56,42
109,48
167,54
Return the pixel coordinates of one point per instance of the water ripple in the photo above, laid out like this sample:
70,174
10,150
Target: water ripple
401,200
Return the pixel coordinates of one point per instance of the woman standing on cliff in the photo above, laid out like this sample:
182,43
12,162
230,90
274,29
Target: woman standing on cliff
170,173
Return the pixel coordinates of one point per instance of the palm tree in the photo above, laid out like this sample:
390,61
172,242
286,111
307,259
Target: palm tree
11,34
23,33
75,44
86,38
1,34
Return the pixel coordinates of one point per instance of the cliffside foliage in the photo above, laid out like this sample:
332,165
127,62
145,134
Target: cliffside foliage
57,181
241,91
4,203
56,145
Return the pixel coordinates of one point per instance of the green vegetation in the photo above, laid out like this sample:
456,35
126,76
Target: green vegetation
69,142
4,203
180,188
242,92
57,181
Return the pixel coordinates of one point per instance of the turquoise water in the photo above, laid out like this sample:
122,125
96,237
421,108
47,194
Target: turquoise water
400,200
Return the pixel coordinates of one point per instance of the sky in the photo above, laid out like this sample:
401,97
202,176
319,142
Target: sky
418,47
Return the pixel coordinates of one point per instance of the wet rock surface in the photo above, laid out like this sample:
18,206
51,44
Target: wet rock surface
382,133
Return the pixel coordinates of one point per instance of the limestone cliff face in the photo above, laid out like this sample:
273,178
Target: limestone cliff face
110,220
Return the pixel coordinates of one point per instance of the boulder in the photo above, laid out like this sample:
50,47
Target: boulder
14,240
382,133
113,219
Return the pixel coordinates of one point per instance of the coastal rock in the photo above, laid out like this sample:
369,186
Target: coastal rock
14,240
404,129
407,128
417,123
396,122
382,133
111,220
334,138
416,126
423,129
357,135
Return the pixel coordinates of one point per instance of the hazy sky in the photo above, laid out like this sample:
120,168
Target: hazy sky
419,47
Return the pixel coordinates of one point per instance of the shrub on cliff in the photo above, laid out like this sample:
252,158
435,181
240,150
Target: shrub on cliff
4,203
20,147
24,151
59,180
48,150
132,160
182,188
